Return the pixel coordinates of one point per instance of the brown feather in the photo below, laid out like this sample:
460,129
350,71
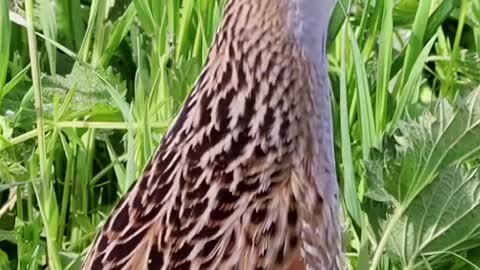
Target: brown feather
228,187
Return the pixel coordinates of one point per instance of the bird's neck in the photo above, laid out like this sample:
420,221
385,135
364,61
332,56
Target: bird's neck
308,22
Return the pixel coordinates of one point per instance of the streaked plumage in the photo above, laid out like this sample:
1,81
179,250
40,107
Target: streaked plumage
246,175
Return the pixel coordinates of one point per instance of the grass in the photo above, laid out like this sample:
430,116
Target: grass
88,88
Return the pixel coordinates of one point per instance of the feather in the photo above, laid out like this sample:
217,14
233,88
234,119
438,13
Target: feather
226,190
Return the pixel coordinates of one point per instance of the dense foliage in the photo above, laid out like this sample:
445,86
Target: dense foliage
87,89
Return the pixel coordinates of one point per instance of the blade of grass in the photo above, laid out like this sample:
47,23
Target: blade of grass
4,45
350,192
411,85
384,66
145,16
70,169
416,41
75,27
365,104
84,50
46,196
451,72
338,17
184,27
120,30
434,22
49,28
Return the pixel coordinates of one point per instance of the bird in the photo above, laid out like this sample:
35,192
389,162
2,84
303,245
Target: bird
245,177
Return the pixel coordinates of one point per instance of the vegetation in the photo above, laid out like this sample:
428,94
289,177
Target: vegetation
87,89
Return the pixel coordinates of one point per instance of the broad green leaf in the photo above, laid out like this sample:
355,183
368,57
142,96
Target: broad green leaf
91,97
439,138
442,137
443,218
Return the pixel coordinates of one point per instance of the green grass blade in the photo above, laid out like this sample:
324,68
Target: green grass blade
350,191
384,68
4,44
49,28
412,84
45,195
365,104
416,41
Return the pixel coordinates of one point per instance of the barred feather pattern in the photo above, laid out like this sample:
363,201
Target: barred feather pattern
232,184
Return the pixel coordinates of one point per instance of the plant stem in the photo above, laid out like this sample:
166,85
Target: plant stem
452,72
53,254
383,242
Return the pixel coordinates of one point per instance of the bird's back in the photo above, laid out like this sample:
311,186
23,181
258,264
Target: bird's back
222,191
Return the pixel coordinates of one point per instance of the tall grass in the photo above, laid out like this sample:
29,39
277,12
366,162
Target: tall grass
88,88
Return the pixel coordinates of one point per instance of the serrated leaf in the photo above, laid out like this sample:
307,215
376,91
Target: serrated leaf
91,95
442,219
439,138
435,199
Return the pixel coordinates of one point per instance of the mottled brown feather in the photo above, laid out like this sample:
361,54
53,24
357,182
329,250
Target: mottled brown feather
229,185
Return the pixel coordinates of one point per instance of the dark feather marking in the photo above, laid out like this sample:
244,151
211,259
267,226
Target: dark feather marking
258,215
293,241
183,266
208,247
182,253
207,264
184,230
259,152
225,80
145,216
155,259
237,147
292,217
122,250
226,178
247,115
161,191
219,213
280,255
194,171
199,208
205,113
198,192
271,231
246,187
121,219
207,232
103,242
225,196
97,263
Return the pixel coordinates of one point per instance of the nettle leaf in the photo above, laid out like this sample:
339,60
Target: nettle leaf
91,95
468,68
375,174
439,138
424,180
442,219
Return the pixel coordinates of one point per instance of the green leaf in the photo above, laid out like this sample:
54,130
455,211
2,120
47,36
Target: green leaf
4,263
443,218
426,149
439,138
91,97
